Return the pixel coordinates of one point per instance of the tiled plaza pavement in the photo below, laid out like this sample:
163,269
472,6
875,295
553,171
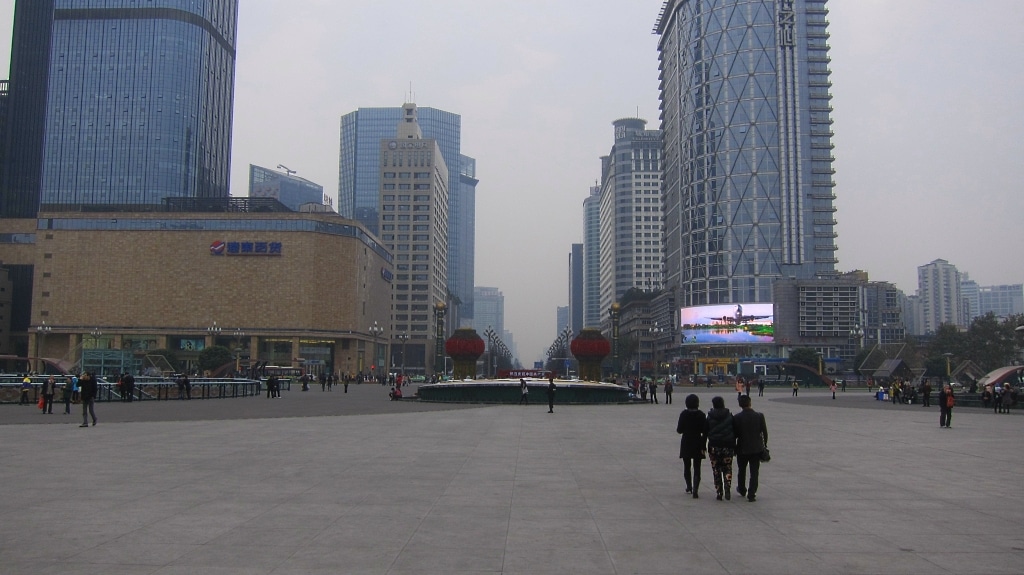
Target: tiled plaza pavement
163,488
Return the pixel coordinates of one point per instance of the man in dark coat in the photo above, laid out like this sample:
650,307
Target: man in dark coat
89,389
751,440
551,394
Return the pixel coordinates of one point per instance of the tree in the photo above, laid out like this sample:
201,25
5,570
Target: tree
213,357
804,356
990,343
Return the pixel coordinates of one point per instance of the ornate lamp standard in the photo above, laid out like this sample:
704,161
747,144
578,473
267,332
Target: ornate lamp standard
403,337
489,334
239,334
655,335
42,330
566,337
614,313
375,332
857,334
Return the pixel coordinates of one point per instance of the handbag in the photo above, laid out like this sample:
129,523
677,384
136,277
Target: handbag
766,455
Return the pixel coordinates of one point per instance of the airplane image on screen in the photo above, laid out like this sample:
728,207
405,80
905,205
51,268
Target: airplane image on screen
738,318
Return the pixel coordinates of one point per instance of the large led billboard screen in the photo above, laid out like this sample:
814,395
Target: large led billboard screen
729,323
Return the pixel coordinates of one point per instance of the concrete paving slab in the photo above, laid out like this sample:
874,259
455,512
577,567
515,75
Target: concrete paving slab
334,483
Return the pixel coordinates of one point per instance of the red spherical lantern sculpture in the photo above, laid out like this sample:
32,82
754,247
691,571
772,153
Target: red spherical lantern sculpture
590,348
464,347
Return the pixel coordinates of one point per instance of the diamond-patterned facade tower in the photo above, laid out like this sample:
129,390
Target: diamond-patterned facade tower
747,152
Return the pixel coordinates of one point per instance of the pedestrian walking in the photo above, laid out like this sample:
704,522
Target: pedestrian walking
946,403
26,387
652,388
1009,397
760,387
524,392
668,391
48,391
551,394
796,388
751,440
88,386
721,447
832,387
693,426
926,393
69,387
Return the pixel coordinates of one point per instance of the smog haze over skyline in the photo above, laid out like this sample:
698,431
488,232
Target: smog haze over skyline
926,98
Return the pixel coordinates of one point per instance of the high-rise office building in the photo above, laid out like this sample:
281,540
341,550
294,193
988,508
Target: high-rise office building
576,288
631,224
490,310
25,117
1002,300
747,165
413,224
938,285
290,190
592,258
358,187
561,318
119,104
971,297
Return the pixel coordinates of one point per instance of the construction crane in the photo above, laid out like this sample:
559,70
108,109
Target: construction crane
286,169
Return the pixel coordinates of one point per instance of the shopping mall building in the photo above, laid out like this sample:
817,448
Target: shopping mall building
308,290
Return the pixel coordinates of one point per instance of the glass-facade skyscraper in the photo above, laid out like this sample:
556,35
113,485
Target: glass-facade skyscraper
359,185
292,191
136,102
747,167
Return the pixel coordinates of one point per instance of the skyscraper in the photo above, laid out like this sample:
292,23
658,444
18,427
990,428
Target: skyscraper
119,105
938,285
22,164
286,188
490,310
630,218
413,224
747,166
592,258
359,185
1002,300
576,288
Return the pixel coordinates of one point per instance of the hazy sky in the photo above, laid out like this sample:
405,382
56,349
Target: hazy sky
928,120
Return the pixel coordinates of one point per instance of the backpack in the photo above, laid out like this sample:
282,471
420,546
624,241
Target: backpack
950,400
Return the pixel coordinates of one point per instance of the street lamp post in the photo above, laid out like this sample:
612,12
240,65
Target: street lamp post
489,334
96,335
375,332
567,340
403,337
656,332
857,334
42,330
239,334
947,355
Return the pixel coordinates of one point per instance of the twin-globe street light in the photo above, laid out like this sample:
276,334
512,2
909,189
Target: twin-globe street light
375,332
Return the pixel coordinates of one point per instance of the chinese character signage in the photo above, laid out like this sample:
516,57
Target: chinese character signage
233,248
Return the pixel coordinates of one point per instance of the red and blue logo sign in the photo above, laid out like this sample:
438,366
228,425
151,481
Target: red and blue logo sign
232,248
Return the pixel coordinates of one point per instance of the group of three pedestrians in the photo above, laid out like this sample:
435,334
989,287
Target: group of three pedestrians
721,435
